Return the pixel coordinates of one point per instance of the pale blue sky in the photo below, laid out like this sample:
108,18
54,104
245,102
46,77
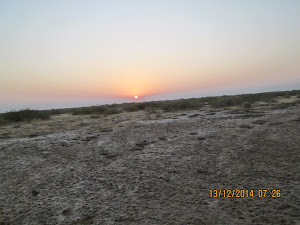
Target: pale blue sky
104,50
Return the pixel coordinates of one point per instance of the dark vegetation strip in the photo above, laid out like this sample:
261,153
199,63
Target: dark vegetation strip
244,100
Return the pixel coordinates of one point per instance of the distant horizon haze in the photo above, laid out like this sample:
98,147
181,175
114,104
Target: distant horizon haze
41,104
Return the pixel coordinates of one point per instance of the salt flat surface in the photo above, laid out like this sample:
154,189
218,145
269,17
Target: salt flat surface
137,168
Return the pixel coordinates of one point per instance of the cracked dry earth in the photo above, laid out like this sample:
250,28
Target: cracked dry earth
132,169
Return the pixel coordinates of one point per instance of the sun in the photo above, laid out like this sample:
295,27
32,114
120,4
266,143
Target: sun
136,97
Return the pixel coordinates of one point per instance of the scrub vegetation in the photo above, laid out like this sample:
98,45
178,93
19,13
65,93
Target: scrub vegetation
25,115
244,101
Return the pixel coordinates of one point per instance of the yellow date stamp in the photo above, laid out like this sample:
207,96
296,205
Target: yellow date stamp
241,193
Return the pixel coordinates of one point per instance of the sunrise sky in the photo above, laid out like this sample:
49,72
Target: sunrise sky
71,53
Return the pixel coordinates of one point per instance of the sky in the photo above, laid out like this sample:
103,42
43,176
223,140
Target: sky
64,53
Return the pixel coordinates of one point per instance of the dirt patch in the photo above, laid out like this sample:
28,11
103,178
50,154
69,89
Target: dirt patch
129,169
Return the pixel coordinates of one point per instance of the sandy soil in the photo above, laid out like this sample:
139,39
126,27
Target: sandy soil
140,168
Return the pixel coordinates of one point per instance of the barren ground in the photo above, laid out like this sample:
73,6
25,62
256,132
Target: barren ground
140,168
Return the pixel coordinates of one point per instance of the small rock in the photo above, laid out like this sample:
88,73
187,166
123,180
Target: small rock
200,138
194,115
162,138
142,144
34,193
105,130
64,143
245,126
93,136
137,148
66,212
259,122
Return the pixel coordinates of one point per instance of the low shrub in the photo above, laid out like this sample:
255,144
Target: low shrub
181,104
105,110
25,115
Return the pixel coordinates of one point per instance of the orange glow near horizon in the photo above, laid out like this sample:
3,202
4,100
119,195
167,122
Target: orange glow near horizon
141,83
117,51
